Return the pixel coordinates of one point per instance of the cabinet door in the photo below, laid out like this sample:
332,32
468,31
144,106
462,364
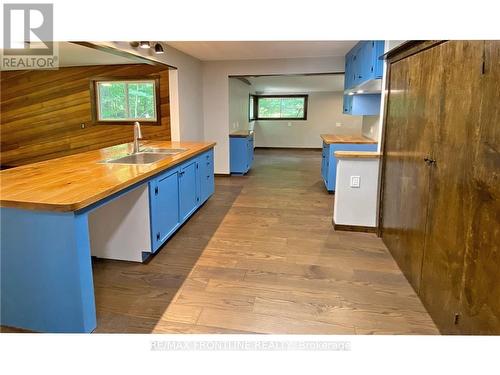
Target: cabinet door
238,151
356,57
413,107
480,299
188,189
378,65
206,175
164,192
458,194
348,74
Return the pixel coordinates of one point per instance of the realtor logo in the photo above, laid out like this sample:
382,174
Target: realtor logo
28,34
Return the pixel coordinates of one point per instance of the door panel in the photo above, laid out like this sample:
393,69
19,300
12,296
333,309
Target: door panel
188,189
412,113
165,210
450,192
480,299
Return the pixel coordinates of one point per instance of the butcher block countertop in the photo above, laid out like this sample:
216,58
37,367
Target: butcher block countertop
73,182
241,133
357,139
357,155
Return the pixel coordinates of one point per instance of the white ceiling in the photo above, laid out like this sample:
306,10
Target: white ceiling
71,54
297,84
247,50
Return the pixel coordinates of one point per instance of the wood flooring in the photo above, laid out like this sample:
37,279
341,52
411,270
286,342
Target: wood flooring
261,256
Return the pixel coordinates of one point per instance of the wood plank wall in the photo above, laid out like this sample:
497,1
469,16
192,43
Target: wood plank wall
42,113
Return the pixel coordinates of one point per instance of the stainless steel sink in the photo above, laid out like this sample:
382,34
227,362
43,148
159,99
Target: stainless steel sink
168,151
139,158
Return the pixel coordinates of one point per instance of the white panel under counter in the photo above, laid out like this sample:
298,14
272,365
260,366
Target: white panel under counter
356,190
121,229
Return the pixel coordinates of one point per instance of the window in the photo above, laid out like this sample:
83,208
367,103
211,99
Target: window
126,100
251,108
281,107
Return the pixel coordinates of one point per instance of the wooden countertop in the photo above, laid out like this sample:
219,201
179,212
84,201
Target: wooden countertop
357,154
73,182
357,139
241,133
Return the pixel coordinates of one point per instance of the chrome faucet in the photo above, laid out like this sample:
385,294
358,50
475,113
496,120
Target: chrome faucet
137,136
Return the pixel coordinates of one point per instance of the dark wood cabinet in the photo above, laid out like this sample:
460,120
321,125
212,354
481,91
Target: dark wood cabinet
440,199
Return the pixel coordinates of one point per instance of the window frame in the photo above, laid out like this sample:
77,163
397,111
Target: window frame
256,109
95,105
254,97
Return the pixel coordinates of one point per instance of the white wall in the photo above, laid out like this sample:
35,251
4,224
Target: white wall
186,94
371,126
239,93
356,206
324,116
216,92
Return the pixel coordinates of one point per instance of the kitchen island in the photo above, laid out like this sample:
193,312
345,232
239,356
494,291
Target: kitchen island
54,213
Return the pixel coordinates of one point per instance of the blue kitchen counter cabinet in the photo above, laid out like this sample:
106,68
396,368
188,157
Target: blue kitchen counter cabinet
329,162
46,268
241,152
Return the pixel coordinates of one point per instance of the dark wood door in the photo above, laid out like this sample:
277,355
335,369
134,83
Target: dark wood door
412,115
480,298
451,176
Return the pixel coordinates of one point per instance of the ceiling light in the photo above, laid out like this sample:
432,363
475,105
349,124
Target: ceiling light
360,91
351,93
158,48
144,44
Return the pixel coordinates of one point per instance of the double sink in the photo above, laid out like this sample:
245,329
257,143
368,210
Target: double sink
146,156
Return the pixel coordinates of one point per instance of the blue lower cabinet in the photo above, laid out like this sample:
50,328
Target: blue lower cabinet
165,215
329,162
241,154
177,193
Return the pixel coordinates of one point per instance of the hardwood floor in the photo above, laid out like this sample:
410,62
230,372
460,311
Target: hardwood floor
261,256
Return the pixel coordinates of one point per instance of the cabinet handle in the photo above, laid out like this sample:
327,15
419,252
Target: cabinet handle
156,190
429,161
208,163
158,236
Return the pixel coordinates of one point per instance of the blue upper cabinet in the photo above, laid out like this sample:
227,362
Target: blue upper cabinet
362,80
362,63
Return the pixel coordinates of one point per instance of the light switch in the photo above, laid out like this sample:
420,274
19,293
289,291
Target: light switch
355,180
338,124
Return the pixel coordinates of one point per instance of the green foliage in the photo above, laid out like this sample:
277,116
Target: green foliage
126,100
281,107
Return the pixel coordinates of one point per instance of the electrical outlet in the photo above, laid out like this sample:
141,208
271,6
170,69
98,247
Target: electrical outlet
355,181
289,124
338,124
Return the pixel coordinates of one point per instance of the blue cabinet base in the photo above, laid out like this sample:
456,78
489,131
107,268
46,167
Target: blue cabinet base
240,154
329,162
46,271
45,257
